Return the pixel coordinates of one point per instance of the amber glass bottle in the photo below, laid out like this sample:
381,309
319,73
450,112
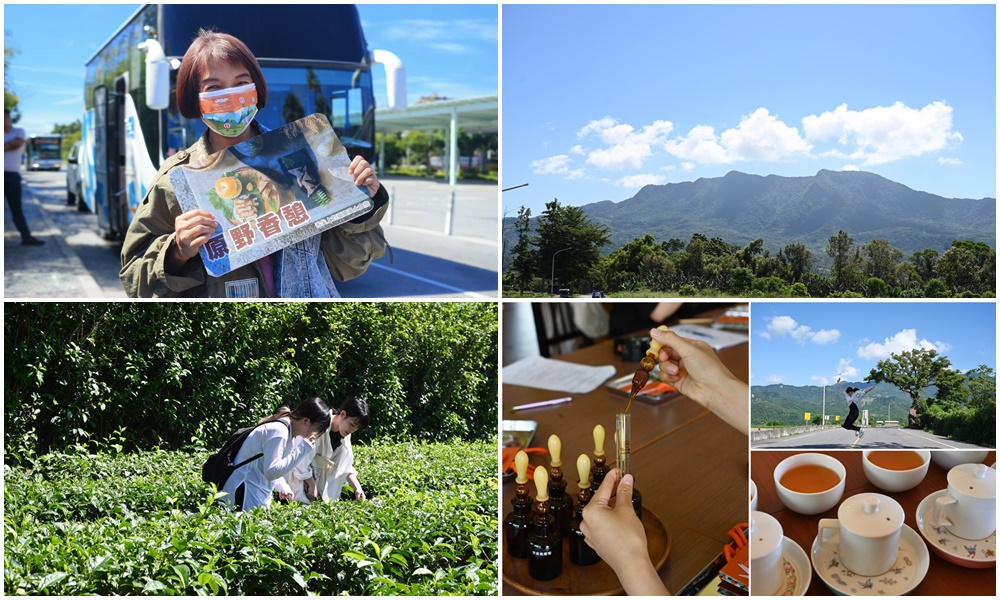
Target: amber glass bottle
517,523
545,553
579,552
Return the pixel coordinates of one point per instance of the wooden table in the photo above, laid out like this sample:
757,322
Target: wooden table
689,465
943,578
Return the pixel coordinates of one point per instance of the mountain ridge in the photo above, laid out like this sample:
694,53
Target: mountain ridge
740,207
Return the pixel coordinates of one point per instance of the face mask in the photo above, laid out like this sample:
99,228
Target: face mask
230,111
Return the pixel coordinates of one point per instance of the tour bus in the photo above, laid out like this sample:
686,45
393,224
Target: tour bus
314,59
43,152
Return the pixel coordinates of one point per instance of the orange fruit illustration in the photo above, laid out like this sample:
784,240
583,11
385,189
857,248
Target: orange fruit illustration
228,187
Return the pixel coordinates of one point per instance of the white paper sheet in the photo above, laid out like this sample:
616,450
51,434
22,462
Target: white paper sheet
556,375
716,338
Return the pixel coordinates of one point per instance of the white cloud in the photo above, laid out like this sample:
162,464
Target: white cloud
949,161
776,379
826,336
901,342
627,148
846,370
637,181
450,47
577,174
886,133
850,168
577,149
759,136
688,166
553,165
785,325
629,155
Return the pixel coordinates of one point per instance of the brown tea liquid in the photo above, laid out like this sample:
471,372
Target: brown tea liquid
904,460
809,479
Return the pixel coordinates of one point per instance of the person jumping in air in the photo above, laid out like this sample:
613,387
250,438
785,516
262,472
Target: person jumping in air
854,396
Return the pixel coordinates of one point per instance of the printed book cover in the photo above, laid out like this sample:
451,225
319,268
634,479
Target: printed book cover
271,191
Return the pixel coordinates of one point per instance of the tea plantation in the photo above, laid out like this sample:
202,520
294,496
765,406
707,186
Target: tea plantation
144,523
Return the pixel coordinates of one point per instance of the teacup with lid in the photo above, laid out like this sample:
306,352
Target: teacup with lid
969,508
869,526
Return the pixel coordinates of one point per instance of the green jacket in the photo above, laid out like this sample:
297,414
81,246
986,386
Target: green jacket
347,248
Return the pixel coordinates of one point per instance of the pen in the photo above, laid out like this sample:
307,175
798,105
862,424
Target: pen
699,334
544,403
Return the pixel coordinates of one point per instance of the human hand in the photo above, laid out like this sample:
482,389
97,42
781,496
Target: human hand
285,495
364,175
610,525
192,230
691,366
359,494
310,489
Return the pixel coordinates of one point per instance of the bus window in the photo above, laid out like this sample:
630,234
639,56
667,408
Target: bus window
342,95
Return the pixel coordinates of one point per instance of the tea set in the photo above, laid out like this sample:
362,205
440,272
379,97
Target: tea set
869,549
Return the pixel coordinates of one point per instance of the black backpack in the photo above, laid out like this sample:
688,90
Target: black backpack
219,466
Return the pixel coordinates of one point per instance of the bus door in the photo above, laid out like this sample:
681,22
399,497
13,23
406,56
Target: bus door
101,183
117,184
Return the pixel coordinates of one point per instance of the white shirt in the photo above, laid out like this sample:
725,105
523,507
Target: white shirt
332,467
281,456
856,396
12,158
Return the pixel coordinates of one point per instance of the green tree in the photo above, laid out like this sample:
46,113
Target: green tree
968,267
71,134
911,371
639,262
10,99
796,260
982,387
525,262
561,227
843,273
881,260
924,261
293,109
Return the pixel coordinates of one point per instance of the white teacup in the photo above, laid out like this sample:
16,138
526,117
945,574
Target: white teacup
810,503
753,495
766,538
869,526
969,508
892,480
949,459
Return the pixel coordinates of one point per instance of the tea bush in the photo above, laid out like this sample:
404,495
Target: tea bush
145,524
181,375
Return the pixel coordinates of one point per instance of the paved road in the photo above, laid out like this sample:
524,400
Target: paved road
874,439
426,262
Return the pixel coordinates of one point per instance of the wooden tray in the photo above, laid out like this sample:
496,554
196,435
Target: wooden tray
593,580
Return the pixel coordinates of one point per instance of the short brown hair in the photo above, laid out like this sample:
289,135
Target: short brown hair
213,45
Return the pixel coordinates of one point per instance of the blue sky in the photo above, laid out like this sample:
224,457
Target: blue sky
449,50
598,101
805,343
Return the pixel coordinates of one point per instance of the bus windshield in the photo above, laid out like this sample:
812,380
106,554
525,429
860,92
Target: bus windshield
46,148
344,96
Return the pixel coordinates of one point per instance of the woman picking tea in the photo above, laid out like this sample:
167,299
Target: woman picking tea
331,463
285,440
160,255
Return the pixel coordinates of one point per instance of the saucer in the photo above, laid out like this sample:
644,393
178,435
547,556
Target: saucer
974,554
798,571
911,566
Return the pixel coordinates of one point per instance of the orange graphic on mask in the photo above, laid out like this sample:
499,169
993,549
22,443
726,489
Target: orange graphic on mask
228,101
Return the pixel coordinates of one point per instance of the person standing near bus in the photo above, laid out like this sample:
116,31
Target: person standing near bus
160,254
13,147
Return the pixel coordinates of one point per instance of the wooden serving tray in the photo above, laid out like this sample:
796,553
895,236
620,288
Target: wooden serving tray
593,580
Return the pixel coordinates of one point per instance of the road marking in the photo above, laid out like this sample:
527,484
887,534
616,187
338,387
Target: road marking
432,282
935,441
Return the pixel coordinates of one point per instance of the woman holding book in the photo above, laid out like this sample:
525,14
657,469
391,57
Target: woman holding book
160,255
